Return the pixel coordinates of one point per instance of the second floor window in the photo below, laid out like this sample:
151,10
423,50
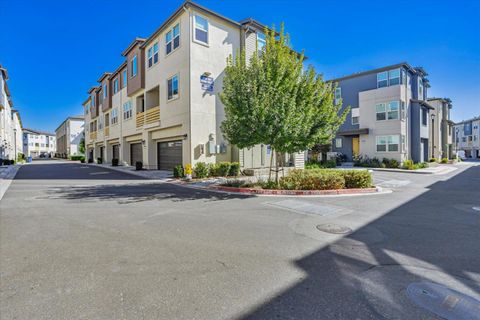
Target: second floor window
153,54
387,111
127,110
424,116
172,39
338,94
133,66
115,85
114,116
172,87
387,143
124,78
261,41
201,29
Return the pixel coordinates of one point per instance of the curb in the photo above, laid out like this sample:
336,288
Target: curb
296,192
7,178
402,171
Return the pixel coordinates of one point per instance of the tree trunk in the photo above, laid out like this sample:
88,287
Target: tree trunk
271,164
276,167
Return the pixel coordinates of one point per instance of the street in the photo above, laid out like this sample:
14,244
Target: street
83,242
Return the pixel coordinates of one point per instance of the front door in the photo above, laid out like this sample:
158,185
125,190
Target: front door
356,146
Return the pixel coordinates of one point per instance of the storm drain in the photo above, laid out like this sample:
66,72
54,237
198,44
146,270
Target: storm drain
334,228
305,207
444,302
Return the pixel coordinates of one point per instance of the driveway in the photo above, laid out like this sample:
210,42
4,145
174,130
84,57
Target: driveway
83,242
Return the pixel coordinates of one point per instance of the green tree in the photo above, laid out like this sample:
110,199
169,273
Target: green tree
81,146
271,99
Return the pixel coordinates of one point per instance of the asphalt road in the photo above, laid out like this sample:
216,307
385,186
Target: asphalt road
82,242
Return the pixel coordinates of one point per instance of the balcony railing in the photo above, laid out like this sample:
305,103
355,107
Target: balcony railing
93,135
150,116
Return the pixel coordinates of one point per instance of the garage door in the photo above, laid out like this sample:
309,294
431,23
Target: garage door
169,154
116,152
136,153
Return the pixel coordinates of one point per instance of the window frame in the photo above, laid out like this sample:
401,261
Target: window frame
194,34
337,140
337,90
127,111
387,143
115,85
114,116
172,39
390,78
152,54
386,79
124,78
174,97
260,40
134,62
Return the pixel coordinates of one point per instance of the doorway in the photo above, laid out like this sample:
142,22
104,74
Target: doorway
356,146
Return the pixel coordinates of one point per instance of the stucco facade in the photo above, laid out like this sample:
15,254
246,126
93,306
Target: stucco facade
38,144
467,137
68,137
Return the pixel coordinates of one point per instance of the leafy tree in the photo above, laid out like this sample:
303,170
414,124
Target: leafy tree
81,146
271,99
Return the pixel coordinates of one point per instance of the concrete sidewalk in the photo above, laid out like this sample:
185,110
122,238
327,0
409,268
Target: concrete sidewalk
162,175
7,174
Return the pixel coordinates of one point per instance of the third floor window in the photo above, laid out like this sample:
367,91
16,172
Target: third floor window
124,78
105,91
115,85
172,39
201,29
388,78
152,54
134,66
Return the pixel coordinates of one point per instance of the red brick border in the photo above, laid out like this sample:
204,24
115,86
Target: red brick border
295,192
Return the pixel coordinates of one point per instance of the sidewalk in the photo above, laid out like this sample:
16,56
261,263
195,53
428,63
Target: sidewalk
163,175
7,174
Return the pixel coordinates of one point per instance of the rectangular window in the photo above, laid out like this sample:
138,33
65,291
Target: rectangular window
338,94
393,142
355,116
261,41
403,110
172,87
114,116
172,39
387,143
393,110
201,29
354,120
382,79
424,116
380,110
105,91
153,54
134,66
115,85
381,144
127,110
124,78
338,142
393,77
420,89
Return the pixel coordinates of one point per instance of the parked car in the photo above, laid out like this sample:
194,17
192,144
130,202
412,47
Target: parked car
461,154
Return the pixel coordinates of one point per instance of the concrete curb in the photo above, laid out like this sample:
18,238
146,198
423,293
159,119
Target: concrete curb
295,192
402,171
7,177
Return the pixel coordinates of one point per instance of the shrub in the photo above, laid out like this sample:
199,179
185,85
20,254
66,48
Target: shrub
357,179
444,160
77,158
312,164
312,180
99,160
421,165
201,170
178,171
223,169
82,160
390,163
432,160
114,162
138,165
213,169
90,160
364,161
234,169
408,165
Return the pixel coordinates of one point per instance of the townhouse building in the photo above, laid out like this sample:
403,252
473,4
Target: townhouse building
38,144
10,122
467,137
441,128
69,135
389,115
161,106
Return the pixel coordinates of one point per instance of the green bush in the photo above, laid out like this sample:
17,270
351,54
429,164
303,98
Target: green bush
421,165
408,165
312,180
444,160
77,158
234,169
213,169
390,163
223,169
99,160
178,171
201,170
312,164
432,160
357,179
366,162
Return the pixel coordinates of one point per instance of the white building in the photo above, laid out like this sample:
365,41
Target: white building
69,135
467,137
10,123
38,144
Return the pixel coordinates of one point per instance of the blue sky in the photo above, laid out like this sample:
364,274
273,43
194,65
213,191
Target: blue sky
55,50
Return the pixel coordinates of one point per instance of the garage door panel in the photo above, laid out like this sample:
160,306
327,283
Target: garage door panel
136,153
169,154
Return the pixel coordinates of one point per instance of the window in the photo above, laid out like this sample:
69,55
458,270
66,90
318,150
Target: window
403,111
338,142
105,91
127,110
382,79
124,77
114,116
380,110
424,116
387,143
115,85
100,122
201,29
153,54
464,139
172,87
261,41
393,108
338,94
393,77
134,66
354,120
355,116
172,39
420,88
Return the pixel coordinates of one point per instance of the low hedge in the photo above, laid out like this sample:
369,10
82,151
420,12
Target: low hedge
219,169
77,158
325,179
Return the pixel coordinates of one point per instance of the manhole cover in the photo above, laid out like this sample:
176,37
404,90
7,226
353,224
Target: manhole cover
333,228
476,208
444,302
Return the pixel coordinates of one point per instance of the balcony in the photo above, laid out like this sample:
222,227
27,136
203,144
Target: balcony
150,116
93,135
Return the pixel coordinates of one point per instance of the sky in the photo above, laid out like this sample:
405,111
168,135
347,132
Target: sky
55,50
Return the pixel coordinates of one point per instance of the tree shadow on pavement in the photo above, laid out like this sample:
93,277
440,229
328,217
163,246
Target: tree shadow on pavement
131,193
434,237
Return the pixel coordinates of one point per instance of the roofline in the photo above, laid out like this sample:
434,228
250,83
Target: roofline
4,71
103,76
39,132
132,45
69,118
114,73
423,103
92,89
468,120
184,5
84,102
358,74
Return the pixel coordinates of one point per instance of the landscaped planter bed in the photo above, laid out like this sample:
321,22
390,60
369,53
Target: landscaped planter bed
295,192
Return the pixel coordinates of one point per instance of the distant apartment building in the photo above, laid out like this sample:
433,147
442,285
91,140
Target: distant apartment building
10,122
38,144
441,128
467,137
161,106
69,135
389,115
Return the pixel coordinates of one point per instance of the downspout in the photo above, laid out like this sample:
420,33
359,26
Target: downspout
190,35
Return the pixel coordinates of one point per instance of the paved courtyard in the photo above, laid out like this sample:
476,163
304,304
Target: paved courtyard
86,242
